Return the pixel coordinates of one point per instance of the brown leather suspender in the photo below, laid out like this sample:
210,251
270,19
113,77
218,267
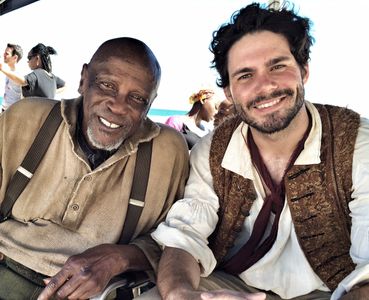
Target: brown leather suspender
138,191
31,161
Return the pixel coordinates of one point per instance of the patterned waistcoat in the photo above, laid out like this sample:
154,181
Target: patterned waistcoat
317,196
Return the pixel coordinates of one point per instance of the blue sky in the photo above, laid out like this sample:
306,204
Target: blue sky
179,33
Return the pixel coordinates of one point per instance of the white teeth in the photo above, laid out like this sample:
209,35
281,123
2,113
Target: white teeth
108,124
269,104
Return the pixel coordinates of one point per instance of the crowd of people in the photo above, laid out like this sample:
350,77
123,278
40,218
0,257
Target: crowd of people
271,203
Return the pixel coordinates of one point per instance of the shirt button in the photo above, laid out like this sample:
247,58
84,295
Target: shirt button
75,207
88,178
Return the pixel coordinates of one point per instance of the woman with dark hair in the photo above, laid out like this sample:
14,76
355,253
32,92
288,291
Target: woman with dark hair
198,121
41,82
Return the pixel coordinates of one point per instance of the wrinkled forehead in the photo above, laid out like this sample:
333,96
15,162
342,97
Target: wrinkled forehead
126,52
122,67
126,72
128,58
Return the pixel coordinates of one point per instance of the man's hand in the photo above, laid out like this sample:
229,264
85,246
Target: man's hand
87,274
358,293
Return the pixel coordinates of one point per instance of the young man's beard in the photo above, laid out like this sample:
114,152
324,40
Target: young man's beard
275,121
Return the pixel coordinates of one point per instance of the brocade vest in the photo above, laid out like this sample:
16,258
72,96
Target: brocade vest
317,196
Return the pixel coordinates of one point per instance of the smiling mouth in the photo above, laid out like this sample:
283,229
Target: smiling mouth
269,104
108,124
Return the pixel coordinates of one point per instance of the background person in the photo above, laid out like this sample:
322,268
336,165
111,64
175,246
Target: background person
67,222
277,201
198,121
41,82
12,55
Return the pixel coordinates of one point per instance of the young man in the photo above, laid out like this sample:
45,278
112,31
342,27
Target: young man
277,202
64,227
13,92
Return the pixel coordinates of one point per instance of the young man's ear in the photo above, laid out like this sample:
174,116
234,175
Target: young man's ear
227,93
83,80
305,73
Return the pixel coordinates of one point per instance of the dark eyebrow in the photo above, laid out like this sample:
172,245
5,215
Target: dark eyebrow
276,60
241,71
270,63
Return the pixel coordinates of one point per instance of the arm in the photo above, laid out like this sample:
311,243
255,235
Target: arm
360,291
60,85
179,278
60,90
184,233
172,174
192,219
356,283
179,275
12,75
86,274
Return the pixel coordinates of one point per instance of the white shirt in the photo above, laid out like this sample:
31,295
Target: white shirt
12,93
284,269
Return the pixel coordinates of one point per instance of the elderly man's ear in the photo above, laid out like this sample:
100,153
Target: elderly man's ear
81,87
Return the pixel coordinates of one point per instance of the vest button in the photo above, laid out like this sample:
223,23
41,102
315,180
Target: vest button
245,211
251,195
238,229
75,207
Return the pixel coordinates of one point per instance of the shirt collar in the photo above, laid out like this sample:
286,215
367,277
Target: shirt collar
147,130
95,156
243,165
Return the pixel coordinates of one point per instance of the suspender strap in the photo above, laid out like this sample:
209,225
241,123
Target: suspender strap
32,159
138,191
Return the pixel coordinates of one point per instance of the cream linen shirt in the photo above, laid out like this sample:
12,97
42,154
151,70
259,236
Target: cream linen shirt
284,269
67,207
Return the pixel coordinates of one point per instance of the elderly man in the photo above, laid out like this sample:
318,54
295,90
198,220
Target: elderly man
277,202
64,228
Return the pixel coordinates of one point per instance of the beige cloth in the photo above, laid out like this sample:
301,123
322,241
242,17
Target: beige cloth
67,207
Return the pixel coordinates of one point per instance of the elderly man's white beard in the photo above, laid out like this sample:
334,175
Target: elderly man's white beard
101,146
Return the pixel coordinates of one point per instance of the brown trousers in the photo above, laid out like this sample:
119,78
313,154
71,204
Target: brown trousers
17,282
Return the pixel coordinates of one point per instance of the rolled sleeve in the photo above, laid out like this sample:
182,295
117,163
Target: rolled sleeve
151,250
191,220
